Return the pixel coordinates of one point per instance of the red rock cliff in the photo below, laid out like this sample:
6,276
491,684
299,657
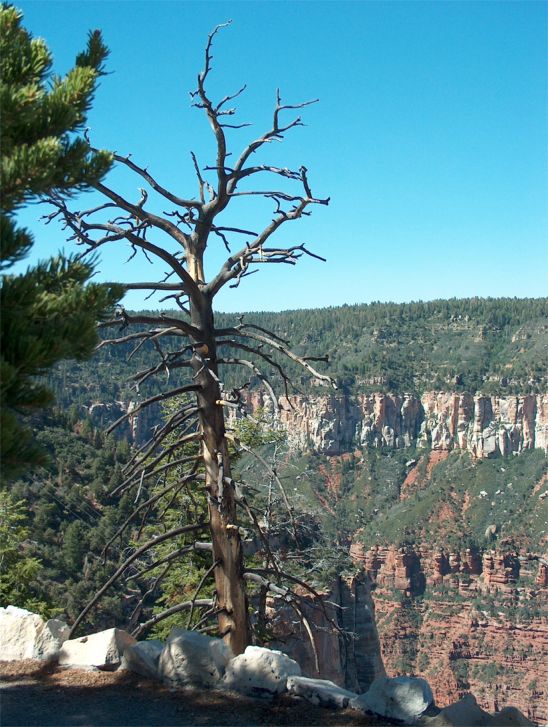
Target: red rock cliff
465,621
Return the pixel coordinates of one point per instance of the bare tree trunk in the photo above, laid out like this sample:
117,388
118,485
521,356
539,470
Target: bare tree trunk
226,541
190,340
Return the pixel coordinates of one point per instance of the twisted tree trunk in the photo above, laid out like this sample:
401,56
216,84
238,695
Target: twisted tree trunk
179,238
225,536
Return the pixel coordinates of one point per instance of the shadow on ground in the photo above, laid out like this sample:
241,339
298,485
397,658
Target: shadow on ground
42,696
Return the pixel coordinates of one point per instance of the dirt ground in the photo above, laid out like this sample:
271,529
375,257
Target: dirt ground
36,695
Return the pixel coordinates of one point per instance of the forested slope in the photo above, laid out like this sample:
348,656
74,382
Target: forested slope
492,345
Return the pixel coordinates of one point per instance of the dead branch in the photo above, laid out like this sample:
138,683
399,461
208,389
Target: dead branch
124,319
150,544
174,555
155,583
154,184
306,586
259,352
262,378
133,466
138,212
143,453
170,363
276,132
274,475
179,484
237,331
264,539
138,335
152,400
199,587
159,435
202,602
310,635
146,475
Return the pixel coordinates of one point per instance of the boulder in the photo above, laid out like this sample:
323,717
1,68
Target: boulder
102,650
464,713
192,659
320,692
510,717
143,658
260,672
401,698
25,635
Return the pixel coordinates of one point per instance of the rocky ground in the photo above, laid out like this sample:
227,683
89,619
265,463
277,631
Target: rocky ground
36,695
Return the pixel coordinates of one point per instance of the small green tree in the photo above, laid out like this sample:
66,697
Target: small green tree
50,312
18,565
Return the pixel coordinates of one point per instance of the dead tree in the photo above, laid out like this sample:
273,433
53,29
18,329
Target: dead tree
179,237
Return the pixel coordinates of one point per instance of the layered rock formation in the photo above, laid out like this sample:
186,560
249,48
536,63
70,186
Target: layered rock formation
483,425
331,424
465,621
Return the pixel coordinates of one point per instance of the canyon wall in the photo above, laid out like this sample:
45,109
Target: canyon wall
346,642
483,425
331,424
466,622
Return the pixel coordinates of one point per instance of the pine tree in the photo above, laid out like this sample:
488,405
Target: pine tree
50,312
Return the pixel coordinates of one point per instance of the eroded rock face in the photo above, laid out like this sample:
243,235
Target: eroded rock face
447,635
483,425
334,423
444,635
352,663
410,569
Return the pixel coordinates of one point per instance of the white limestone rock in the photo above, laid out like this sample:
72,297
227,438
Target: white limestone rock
143,658
25,635
464,713
260,672
320,692
190,658
102,650
401,698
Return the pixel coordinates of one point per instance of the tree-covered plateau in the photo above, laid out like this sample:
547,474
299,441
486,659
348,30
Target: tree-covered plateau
496,346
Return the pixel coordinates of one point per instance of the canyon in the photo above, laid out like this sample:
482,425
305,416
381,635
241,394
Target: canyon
463,621
467,620
331,424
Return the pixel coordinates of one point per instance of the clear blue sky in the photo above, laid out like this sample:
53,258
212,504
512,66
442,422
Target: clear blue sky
430,137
